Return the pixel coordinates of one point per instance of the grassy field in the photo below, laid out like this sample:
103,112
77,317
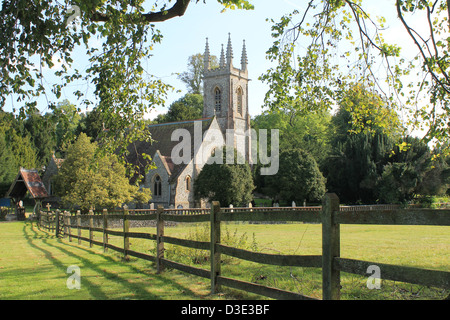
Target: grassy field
33,265
36,268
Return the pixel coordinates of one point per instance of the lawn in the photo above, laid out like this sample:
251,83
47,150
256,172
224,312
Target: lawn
33,265
37,266
425,247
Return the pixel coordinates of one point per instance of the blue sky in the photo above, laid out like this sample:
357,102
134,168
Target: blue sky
185,36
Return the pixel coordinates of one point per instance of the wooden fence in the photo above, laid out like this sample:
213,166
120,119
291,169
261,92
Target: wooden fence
331,215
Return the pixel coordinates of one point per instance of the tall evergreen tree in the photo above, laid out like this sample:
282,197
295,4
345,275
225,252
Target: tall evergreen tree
8,166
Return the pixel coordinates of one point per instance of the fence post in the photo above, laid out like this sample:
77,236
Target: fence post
79,225
159,239
91,226
57,214
330,248
66,228
64,224
215,254
126,229
69,223
105,227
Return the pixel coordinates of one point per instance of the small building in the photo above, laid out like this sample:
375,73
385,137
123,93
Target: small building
27,181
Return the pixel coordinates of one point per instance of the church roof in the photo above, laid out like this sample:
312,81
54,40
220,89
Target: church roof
161,135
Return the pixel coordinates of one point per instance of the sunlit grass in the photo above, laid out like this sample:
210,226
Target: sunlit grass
33,263
414,246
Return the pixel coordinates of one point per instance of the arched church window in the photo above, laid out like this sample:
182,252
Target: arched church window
217,99
188,183
157,186
239,100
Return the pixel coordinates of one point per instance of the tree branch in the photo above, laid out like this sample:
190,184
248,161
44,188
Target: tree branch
177,10
423,54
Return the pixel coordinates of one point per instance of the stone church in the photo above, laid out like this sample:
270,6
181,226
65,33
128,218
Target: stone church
225,120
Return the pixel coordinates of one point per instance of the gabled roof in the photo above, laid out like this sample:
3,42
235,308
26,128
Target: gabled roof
161,134
58,161
27,180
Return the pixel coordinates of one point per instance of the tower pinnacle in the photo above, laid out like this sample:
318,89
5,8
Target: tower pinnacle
206,56
222,58
229,51
244,60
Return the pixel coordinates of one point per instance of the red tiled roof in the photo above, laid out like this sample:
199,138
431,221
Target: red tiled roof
27,180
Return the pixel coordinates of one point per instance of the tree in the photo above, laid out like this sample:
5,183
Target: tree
16,151
193,76
66,118
8,166
298,178
42,131
91,124
437,180
94,183
309,132
23,150
361,145
404,175
37,34
346,30
189,107
355,165
226,183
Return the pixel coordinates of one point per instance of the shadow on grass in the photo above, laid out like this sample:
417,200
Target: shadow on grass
155,282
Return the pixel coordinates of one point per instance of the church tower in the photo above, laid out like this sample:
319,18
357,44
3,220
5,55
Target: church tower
225,91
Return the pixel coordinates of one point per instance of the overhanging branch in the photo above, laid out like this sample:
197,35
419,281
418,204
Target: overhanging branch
177,10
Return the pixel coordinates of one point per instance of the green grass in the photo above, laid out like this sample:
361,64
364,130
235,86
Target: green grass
415,246
33,263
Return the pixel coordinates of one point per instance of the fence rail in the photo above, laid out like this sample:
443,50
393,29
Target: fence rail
331,215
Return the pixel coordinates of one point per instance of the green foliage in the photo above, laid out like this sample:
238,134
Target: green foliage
367,111
16,150
309,132
189,107
226,183
374,164
202,232
94,183
23,150
330,44
8,166
236,4
91,124
298,178
42,130
66,118
192,78
38,34
355,164
402,178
